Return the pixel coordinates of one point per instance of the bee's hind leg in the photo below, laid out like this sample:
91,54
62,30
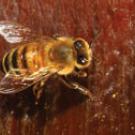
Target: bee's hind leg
38,90
77,86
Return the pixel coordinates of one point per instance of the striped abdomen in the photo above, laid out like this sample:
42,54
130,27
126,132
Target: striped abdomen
25,59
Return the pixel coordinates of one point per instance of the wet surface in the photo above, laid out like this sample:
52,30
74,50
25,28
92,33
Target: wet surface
109,25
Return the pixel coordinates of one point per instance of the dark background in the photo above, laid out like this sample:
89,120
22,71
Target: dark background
109,25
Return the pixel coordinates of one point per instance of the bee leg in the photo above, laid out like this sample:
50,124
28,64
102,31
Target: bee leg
77,86
55,36
81,74
38,90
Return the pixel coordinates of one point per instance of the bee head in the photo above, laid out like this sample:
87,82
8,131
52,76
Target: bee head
83,53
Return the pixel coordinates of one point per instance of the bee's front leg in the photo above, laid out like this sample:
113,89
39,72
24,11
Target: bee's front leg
77,86
80,74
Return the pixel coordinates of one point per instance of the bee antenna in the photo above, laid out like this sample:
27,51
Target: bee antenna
95,38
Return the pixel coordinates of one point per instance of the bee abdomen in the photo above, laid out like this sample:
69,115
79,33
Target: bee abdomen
19,60
9,62
23,60
14,59
5,63
34,58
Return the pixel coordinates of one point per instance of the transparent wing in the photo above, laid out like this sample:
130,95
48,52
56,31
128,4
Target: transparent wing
13,84
15,33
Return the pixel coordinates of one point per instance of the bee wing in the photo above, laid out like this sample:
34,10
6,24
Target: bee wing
15,33
13,84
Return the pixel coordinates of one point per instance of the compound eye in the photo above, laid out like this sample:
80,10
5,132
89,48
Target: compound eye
82,60
78,44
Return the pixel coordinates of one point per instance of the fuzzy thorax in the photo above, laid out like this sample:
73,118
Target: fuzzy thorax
62,57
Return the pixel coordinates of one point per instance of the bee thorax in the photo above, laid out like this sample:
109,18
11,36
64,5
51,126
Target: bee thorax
61,54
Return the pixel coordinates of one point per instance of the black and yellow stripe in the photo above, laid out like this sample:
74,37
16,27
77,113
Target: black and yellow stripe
9,62
25,59
5,63
14,59
33,59
21,59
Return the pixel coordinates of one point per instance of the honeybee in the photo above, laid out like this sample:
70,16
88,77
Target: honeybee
33,62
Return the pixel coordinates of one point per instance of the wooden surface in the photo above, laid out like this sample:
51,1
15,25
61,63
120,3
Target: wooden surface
110,26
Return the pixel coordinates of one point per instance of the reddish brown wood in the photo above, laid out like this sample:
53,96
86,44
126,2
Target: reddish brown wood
109,25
